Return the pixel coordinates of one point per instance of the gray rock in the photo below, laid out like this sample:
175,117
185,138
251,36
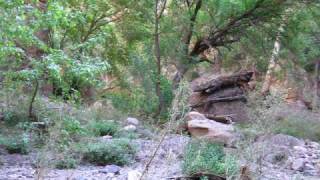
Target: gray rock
298,164
300,149
130,128
276,158
308,166
106,137
132,121
110,169
134,175
79,178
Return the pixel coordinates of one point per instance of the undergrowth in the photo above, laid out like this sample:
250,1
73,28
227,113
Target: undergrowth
273,116
115,151
202,157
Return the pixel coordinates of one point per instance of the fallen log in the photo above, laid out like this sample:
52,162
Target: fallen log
223,99
222,82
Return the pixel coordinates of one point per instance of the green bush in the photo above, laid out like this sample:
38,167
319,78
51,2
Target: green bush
12,118
126,134
73,126
71,130
116,151
18,145
102,128
301,128
66,163
206,157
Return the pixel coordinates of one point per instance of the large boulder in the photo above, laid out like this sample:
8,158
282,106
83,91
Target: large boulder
201,127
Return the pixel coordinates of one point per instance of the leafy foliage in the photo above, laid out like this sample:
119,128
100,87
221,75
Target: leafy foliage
66,163
205,157
102,128
116,151
18,144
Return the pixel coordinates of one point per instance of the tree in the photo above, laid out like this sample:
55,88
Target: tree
238,17
274,56
158,14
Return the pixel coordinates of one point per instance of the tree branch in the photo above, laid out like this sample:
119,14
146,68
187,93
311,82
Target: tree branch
219,36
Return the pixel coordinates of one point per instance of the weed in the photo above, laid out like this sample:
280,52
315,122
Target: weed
19,144
66,163
116,151
102,128
206,157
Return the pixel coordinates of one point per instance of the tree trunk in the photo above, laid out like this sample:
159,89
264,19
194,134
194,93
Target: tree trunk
181,71
183,66
158,54
30,112
316,103
272,65
217,64
274,56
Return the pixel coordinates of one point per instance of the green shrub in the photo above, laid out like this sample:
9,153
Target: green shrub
18,145
102,128
301,128
66,163
205,157
12,118
126,134
73,126
116,151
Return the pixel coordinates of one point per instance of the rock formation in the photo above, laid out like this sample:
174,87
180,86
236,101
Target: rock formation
221,98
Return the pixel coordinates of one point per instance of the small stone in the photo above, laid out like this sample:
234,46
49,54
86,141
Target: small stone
110,169
298,165
130,128
313,145
303,155
134,175
106,137
300,149
132,121
308,166
79,178
110,175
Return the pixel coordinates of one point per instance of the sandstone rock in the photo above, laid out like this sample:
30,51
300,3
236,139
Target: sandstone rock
194,116
221,95
211,130
134,175
130,128
132,121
